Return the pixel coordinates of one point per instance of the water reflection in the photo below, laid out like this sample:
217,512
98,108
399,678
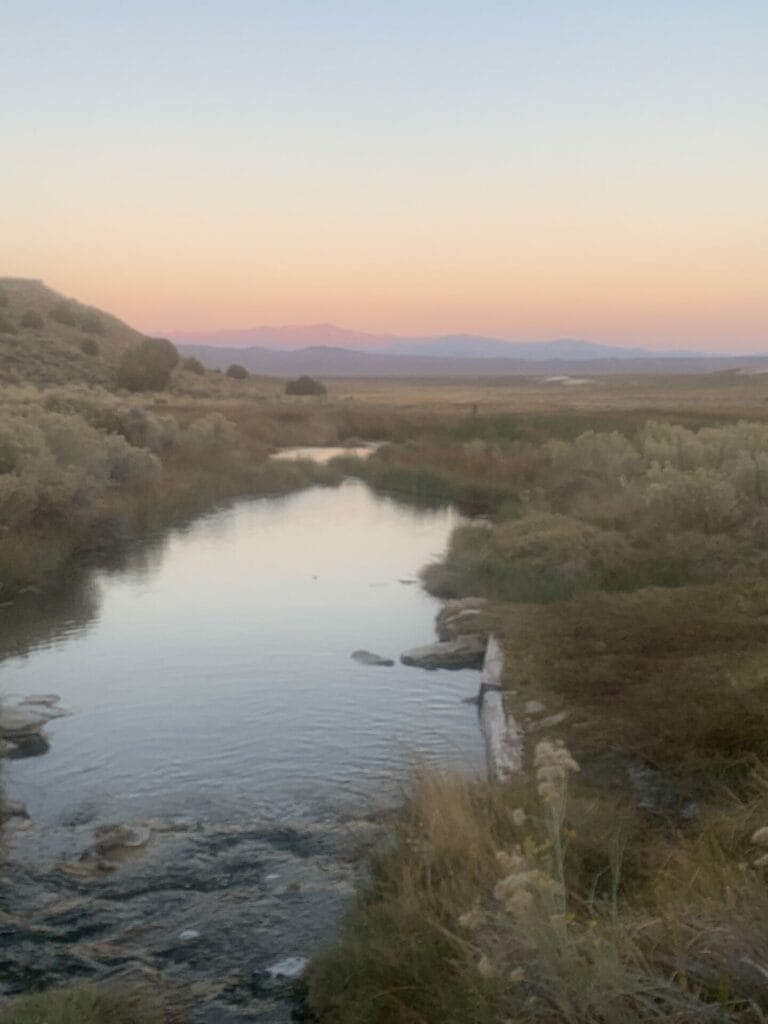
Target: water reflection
213,693
35,619
217,681
324,454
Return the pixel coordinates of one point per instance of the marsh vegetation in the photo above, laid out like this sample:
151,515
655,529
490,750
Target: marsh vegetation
622,549
625,568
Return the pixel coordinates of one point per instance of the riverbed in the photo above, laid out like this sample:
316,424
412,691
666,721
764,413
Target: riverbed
213,699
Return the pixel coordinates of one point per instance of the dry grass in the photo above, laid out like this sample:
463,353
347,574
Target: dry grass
618,400
673,678
486,906
84,1004
646,900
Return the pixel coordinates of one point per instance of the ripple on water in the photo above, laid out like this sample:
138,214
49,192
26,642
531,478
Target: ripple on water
212,685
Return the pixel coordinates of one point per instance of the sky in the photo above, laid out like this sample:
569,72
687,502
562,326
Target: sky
525,169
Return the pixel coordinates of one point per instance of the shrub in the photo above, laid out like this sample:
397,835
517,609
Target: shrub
7,326
305,386
65,313
211,433
698,500
55,465
237,372
91,323
140,428
168,349
89,346
32,320
193,365
148,366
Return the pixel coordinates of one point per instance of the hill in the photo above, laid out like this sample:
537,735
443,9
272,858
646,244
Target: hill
47,339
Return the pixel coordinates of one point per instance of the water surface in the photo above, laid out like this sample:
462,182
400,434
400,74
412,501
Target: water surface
218,680
212,692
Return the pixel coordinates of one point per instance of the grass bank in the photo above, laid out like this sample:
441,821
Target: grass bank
622,876
542,902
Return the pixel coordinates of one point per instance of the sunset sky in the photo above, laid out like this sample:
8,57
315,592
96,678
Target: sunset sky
527,169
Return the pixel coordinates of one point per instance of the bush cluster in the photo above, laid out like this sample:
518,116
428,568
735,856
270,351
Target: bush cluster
59,457
193,365
54,465
664,505
147,366
237,372
305,386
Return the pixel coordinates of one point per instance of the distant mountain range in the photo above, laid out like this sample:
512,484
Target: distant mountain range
444,346
330,351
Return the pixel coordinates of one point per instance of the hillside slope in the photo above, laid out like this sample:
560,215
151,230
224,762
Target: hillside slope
47,339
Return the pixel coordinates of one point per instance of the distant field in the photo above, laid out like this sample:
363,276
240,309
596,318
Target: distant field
729,394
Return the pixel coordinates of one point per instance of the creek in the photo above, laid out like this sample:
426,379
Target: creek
213,700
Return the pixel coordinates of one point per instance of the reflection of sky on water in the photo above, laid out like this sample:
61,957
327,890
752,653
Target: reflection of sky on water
320,453
217,679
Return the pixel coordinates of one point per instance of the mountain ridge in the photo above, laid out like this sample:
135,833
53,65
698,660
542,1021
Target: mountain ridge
334,361
291,337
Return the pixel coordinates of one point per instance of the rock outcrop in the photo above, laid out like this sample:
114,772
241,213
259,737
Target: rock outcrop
465,652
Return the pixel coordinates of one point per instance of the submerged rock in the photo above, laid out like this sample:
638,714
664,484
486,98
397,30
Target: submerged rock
291,967
13,809
111,839
464,652
111,846
369,658
65,919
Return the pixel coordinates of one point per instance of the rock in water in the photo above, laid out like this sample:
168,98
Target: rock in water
113,838
48,700
21,721
465,652
369,658
27,718
291,967
13,809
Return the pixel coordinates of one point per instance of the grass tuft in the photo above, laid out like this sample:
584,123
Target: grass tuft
84,1004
